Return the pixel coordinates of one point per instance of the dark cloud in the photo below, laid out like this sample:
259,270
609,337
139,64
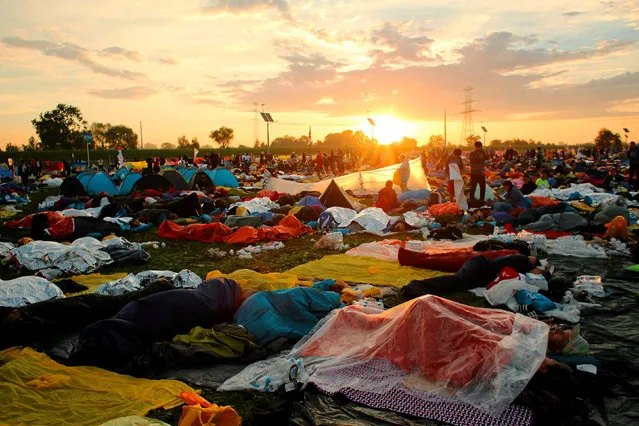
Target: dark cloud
71,52
573,13
120,52
394,45
492,64
242,6
134,92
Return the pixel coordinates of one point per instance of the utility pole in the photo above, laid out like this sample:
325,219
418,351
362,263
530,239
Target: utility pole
445,129
141,140
256,112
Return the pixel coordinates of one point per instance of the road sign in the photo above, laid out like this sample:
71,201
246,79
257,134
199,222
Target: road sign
87,137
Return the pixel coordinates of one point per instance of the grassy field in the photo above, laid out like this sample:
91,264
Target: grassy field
178,255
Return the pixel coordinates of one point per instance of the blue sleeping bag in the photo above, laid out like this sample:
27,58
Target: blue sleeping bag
417,194
289,313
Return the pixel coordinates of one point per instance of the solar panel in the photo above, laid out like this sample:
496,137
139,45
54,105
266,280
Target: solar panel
370,120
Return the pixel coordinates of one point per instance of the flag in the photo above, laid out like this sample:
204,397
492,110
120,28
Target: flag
310,139
195,151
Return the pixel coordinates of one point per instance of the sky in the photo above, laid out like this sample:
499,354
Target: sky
555,71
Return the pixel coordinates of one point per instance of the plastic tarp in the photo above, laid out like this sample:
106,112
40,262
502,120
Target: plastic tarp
289,313
371,219
134,282
252,280
27,290
575,246
362,270
256,205
83,256
37,390
372,180
427,347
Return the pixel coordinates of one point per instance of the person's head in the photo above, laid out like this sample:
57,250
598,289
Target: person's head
526,179
478,146
457,152
613,172
389,184
507,185
543,175
633,144
558,339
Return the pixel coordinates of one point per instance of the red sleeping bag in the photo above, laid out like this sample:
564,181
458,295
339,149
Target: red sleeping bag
451,261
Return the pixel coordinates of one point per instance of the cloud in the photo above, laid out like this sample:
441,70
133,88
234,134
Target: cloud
394,45
120,52
244,6
133,93
168,61
573,13
503,67
71,52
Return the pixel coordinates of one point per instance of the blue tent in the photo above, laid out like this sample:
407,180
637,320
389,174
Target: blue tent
192,175
222,177
128,182
97,182
121,173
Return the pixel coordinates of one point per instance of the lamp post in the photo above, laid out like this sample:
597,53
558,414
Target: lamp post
268,119
626,131
485,131
372,123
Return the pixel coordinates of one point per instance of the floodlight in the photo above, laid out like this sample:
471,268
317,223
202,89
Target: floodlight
484,128
625,129
370,120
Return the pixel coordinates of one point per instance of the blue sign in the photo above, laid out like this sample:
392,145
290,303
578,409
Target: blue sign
87,137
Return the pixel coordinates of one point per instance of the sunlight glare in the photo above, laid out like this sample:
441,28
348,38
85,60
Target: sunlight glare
388,129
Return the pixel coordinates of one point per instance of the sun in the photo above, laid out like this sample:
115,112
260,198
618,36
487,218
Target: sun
388,129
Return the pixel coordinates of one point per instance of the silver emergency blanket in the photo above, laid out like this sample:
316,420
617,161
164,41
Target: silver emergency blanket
371,219
134,282
83,256
26,290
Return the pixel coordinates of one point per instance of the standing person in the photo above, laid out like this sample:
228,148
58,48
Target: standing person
331,162
455,179
404,173
540,158
339,159
633,159
478,160
455,158
319,164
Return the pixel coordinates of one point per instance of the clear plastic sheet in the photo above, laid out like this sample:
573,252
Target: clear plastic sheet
378,250
371,180
134,282
340,214
257,205
371,219
479,356
574,246
26,290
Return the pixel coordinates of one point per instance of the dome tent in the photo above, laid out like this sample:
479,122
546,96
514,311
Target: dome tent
129,182
223,177
152,181
193,175
177,180
72,187
97,182
120,173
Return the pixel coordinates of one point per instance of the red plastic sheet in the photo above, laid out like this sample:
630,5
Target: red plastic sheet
287,228
542,201
552,235
448,207
451,261
26,221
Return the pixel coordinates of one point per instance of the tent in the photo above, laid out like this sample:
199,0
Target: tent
223,177
97,182
193,175
121,173
177,180
152,181
335,196
127,184
72,187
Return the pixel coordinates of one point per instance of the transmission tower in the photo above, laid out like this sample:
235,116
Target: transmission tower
467,128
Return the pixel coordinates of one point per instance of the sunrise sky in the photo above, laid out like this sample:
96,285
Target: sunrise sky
551,70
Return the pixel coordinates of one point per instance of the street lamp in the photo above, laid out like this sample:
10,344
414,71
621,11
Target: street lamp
626,131
372,123
268,119
485,131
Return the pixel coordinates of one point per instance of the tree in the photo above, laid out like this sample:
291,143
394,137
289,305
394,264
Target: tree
60,127
407,144
99,130
31,145
222,136
150,146
167,145
496,142
436,141
12,148
121,136
470,140
183,142
195,143
607,139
